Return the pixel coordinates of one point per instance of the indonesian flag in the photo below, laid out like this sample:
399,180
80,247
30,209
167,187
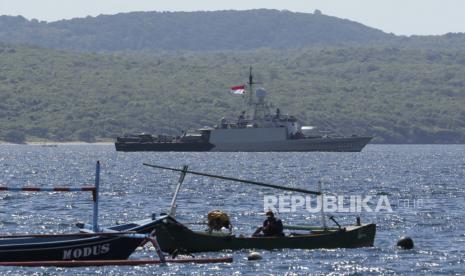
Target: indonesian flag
238,90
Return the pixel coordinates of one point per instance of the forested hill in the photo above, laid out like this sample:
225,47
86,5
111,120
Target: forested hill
398,95
216,30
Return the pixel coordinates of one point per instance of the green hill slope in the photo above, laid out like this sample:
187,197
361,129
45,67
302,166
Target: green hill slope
398,95
217,30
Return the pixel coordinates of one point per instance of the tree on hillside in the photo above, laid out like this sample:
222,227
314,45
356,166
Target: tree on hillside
15,136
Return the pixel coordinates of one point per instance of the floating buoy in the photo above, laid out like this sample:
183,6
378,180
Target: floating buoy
405,243
254,256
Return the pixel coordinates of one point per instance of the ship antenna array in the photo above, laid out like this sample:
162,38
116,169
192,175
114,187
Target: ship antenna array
251,83
251,106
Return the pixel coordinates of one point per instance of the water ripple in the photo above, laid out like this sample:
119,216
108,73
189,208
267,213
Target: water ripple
423,183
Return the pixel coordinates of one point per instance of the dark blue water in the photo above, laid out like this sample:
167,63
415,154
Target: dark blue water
424,184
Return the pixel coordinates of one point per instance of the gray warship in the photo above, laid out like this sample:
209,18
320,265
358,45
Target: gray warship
258,130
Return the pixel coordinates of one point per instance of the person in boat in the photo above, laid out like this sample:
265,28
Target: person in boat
272,227
224,123
278,113
241,122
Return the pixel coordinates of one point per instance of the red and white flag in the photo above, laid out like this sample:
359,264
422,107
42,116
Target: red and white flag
238,90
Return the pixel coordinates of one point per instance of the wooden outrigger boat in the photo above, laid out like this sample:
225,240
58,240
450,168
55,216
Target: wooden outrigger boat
174,236
91,247
83,249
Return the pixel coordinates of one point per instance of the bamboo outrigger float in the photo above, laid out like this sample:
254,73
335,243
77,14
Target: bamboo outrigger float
93,247
116,262
174,236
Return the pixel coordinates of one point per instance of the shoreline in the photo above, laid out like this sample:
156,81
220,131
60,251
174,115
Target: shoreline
57,143
49,143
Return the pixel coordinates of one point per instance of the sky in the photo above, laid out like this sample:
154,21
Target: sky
401,17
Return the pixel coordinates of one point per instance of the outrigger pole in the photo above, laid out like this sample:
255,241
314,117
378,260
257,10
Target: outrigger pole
237,180
79,263
93,189
172,212
323,218
97,186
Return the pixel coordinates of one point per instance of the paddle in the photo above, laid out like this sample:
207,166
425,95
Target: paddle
238,180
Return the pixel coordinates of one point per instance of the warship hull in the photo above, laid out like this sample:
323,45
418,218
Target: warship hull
329,144
158,146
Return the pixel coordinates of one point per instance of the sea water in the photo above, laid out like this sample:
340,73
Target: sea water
424,185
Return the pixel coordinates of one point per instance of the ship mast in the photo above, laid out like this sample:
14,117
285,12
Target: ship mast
251,104
250,87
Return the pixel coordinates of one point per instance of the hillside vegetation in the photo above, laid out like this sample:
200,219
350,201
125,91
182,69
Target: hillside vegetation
399,95
207,31
218,30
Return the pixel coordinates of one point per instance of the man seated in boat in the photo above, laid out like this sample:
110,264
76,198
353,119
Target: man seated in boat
272,227
241,122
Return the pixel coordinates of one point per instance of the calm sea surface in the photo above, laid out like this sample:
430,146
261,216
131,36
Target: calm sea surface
424,184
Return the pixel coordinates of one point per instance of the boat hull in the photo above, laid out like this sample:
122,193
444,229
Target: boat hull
338,144
157,146
181,238
172,236
322,144
67,248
